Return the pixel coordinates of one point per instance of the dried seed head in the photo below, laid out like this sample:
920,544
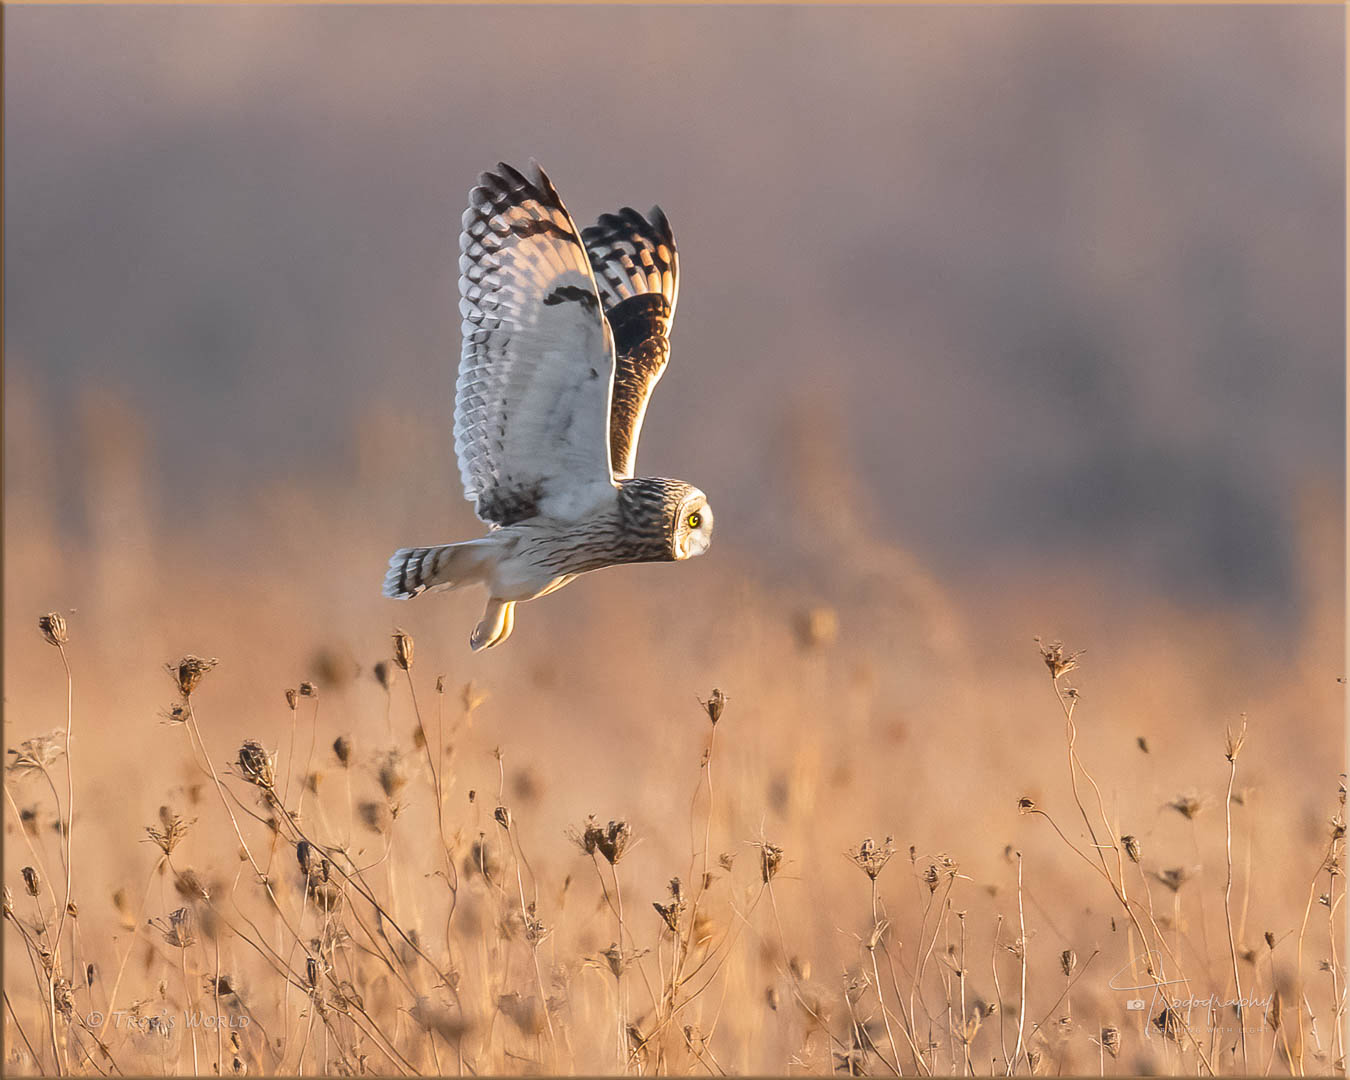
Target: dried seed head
619,960
382,674
482,859
611,842
31,880
930,877
391,773
190,885
35,755
1188,805
770,859
1270,941
403,649
342,748
717,701
178,929
1111,1039
376,816
536,933
188,673
870,857
173,829
1169,1022
255,765
1174,877
440,684
1057,660
1233,740
1275,1013
1132,849
670,913
1026,805
323,888
312,971
503,817
308,857
292,699
308,689
471,697
8,898
53,627
63,996
90,973
222,986
1068,960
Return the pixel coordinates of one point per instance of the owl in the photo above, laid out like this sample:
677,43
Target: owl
566,334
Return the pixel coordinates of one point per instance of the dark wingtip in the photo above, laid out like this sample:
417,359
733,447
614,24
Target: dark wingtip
510,172
658,218
541,179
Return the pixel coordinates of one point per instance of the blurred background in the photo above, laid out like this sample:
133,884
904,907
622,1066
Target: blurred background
993,323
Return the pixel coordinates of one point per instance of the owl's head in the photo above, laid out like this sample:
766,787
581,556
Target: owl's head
693,526
665,520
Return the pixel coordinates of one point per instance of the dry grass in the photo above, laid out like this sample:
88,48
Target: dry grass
895,840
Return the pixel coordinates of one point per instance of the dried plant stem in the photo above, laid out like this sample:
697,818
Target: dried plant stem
518,858
32,848
1337,994
906,1019
968,1066
68,830
195,731
187,1009
1228,906
926,953
1296,1062
1117,888
796,984
681,957
215,990
18,1026
135,932
1022,956
452,875
43,979
877,930
998,990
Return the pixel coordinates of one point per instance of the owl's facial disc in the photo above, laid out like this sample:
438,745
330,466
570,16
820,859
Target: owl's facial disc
693,529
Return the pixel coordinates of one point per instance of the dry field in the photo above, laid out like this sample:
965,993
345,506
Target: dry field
829,816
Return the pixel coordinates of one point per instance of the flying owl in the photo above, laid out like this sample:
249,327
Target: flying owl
566,333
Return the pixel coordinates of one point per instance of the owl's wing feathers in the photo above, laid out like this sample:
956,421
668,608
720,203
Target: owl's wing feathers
533,397
637,271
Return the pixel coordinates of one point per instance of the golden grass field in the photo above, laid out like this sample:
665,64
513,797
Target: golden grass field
900,843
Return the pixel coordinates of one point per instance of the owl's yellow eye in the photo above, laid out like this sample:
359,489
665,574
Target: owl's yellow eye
694,520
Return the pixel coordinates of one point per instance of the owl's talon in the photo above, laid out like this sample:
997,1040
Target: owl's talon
495,625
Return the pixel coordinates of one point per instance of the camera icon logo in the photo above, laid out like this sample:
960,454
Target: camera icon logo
1136,1004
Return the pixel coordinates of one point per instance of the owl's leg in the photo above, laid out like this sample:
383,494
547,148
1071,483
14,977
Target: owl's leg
495,625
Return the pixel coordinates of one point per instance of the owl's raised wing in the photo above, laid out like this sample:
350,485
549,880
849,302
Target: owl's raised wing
532,400
637,270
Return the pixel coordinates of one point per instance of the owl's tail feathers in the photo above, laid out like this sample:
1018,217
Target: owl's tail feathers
495,627
417,570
